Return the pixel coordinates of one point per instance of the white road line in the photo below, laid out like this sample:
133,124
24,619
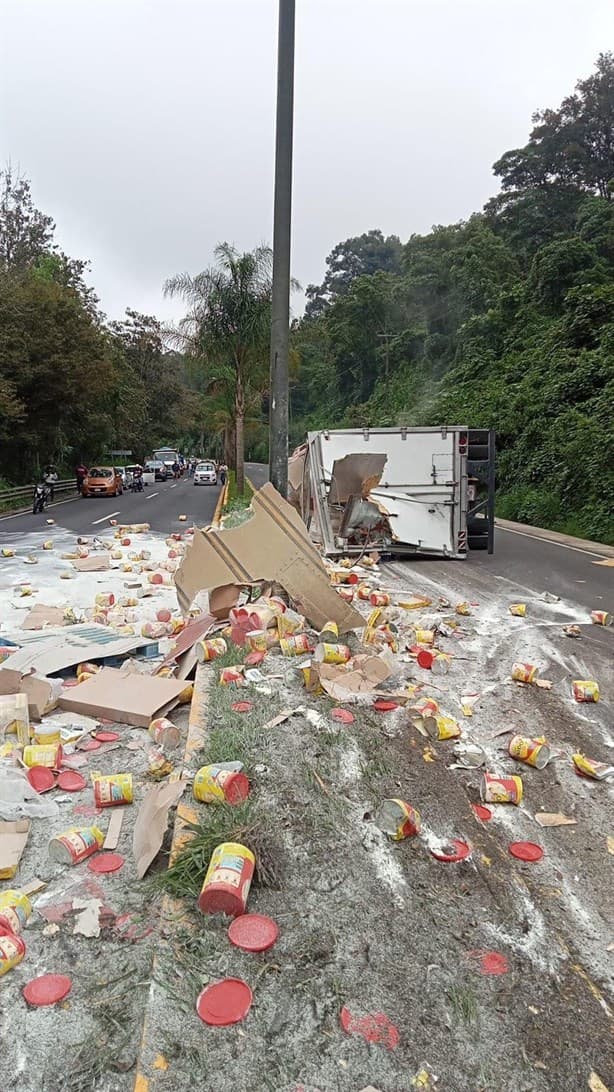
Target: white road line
109,516
174,486
152,495
548,541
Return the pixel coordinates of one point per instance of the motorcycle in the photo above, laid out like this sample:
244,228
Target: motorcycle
136,485
40,498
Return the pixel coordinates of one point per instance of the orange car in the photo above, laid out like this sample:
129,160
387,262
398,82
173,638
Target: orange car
102,481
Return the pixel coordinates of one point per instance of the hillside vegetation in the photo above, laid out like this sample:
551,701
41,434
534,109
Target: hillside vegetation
504,321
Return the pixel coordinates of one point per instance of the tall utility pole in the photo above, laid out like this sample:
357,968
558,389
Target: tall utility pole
282,218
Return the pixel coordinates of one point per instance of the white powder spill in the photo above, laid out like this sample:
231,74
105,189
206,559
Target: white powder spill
350,763
532,939
386,866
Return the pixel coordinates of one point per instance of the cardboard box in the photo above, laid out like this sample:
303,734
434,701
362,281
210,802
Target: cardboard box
13,838
273,545
122,696
42,694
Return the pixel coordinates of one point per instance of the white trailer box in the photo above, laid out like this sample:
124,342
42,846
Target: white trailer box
399,490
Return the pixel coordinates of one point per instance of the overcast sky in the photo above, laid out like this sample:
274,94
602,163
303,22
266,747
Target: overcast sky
147,126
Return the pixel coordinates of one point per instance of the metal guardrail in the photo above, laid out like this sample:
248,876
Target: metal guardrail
22,494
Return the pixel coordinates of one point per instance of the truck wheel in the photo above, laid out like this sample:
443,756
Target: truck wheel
477,542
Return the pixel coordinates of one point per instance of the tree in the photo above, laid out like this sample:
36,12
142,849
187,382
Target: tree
227,327
360,256
26,234
572,147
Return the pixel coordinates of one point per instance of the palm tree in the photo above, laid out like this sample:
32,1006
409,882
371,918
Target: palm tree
227,328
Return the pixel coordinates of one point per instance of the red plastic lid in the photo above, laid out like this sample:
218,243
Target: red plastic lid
242,706
253,932
106,862
526,851
384,706
237,788
71,781
224,1003
342,715
107,737
425,658
481,812
455,851
48,989
254,658
41,778
90,745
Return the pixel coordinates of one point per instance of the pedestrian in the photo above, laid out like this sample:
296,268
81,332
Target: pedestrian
81,475
223,473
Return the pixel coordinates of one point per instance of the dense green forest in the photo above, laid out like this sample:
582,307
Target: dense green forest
72,385
504,321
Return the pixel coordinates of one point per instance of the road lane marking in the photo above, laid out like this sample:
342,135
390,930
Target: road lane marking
174,486
548,541
28,511
152,495
109,516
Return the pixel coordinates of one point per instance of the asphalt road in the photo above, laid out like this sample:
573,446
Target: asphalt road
520,562
159,505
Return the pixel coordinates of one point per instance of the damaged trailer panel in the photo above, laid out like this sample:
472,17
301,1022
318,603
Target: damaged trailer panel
399,490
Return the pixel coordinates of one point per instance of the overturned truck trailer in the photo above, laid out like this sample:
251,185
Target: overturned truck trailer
397,490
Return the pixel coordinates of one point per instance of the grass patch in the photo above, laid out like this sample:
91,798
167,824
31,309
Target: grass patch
463,1004
236,509
244,823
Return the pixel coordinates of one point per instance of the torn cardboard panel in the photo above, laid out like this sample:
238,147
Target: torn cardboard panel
42,693
42,616
272,545
53,650
124,697
357,681
355,475
13,838
96,563
151,821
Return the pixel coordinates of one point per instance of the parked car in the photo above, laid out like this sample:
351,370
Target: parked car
154,471
205,474
102,481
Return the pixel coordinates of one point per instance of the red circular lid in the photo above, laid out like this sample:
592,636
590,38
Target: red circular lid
425,658
107,737
454,850
384,706
225,1002
526,851
90,745
342,715
71,781
253,932
352,578
254,658
481,812
41,778
48,989
105,862
242,706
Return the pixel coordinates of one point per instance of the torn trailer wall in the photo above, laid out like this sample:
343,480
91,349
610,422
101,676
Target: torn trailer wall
400,490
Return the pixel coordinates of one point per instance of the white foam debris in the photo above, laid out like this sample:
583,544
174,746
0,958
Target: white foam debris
350,763
532,940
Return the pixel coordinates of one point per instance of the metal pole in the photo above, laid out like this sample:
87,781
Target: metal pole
280,306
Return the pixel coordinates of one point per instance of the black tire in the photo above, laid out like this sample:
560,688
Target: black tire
476,526
35,508
477,542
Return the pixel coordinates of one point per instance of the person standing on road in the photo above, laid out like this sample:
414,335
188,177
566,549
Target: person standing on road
81,475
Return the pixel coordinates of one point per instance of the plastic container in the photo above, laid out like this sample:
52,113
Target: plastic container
43,754
535,752
210,650
501,790
112,790
15,909
331,654
398,819
165,733
228,880
219,785
12,951
75,845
